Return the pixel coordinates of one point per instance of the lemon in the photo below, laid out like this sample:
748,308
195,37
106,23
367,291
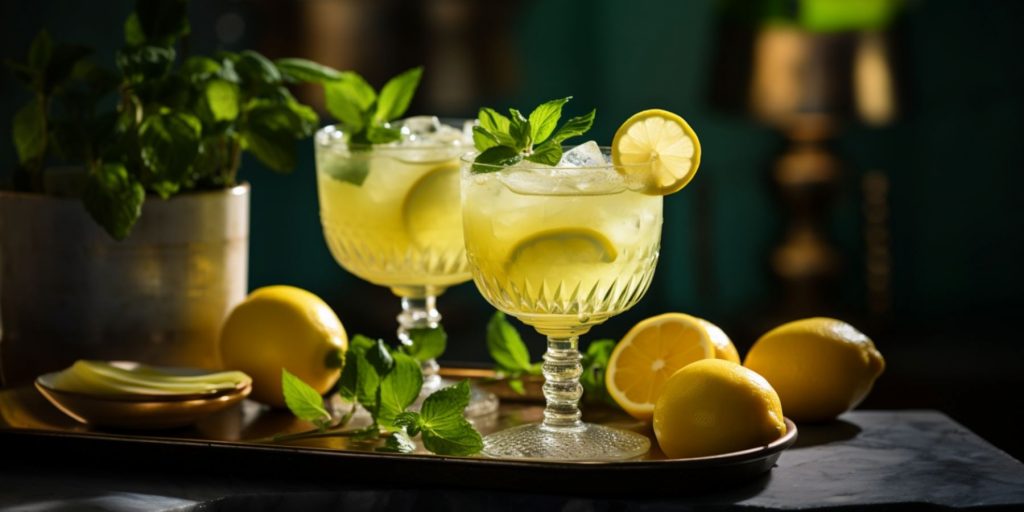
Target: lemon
561,246
714,406
659,149
821,367
427,211
279,327
724,349
649,354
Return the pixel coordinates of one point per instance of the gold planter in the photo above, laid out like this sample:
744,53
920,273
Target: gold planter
69,291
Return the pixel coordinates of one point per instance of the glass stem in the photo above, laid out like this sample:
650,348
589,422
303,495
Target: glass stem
562,389
420,313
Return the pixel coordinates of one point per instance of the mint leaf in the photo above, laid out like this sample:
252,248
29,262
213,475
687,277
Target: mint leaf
41,50
348,384
495,158
399,388
378,134
255,70
410,421
544,118
427,343
133,33
445,430
482,139
396,95
145,63
574,127
169,145
302,70
114,199
595,362
519,130
304,402
222,98
506,346
380,357
548,153
517,386
398,442
29,131
367,384
353,170
493,121
273,128
349,99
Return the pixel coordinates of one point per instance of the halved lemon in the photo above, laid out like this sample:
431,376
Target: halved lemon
562,246
724,349
649,354
657,148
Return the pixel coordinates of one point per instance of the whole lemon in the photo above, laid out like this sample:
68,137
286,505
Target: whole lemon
715,406
821,367
279,327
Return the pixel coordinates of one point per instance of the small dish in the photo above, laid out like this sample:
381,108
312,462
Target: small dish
138,410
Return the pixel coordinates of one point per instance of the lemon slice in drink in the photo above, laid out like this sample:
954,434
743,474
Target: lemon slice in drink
427,210
665,143
649,354
561,247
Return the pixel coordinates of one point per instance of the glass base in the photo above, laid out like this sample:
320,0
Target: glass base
588,442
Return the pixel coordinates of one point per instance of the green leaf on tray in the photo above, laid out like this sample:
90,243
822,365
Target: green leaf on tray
444,428
398,442
303,401
506,346
427,343
399,388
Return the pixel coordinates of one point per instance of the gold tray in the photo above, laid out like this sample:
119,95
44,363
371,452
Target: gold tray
240,437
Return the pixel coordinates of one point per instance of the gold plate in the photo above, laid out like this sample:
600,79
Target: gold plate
138,411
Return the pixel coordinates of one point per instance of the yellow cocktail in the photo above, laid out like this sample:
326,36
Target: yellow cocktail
391,216
561,248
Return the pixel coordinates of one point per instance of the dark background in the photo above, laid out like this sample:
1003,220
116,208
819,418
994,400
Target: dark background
953,159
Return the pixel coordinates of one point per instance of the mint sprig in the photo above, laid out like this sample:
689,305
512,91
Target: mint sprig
386,382
427,343
363,112
441,424
504,141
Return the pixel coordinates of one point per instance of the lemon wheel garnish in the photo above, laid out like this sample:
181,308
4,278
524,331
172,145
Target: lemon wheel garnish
657,148
649,354
562,246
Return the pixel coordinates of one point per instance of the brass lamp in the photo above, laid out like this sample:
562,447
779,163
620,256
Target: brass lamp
805,68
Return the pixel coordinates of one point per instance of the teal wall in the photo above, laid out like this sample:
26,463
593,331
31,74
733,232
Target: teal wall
955,160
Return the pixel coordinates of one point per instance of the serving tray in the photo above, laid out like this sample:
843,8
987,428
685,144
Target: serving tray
31,429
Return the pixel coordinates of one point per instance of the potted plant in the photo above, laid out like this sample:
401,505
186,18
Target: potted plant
125,234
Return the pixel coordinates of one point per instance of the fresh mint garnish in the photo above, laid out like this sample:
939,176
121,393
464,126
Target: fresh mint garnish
304,402
427,343
505,141
363,112
386,382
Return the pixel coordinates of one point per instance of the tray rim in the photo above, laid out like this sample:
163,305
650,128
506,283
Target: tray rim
774,448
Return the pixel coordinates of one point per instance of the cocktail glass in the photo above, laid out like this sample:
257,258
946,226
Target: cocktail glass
562,249
391,216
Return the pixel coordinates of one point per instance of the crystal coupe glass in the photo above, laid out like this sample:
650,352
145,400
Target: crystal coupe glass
391,216
562,249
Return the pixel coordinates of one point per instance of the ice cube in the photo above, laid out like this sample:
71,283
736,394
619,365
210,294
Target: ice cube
416,127
587,154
